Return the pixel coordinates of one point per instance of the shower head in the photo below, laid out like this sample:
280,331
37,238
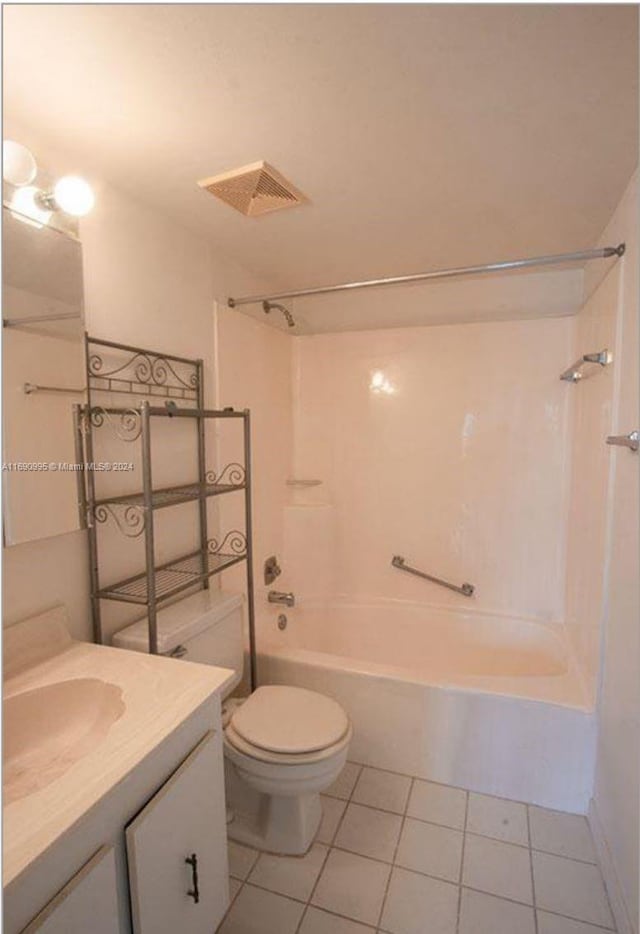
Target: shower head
269,306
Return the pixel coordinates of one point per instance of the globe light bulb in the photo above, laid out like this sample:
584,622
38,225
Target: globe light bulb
25,206
73,195
18,165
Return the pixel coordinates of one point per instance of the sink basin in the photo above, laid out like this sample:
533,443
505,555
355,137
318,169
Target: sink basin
49,729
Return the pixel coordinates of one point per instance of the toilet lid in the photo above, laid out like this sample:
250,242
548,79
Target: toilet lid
290,720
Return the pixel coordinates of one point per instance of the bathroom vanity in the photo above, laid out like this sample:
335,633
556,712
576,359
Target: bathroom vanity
114,813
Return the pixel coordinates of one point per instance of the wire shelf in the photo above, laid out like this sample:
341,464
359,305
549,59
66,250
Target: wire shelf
229,480
172,578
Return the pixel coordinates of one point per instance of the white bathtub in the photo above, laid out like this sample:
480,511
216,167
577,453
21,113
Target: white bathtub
483,702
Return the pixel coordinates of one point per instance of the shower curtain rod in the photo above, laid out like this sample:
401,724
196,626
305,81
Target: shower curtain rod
582,256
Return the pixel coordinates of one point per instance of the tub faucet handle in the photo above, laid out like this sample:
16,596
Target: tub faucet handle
271,569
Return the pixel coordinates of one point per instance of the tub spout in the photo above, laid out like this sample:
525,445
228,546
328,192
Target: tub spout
285,599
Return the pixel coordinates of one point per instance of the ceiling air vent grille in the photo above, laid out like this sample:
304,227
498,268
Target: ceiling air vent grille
254,189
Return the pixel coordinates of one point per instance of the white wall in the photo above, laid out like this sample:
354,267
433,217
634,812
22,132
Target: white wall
148,282
617,783
462,468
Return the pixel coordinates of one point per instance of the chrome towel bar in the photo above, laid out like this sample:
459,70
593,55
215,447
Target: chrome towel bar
466,590
631,441
30,388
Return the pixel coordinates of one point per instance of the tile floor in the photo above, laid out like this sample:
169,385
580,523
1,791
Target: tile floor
400,855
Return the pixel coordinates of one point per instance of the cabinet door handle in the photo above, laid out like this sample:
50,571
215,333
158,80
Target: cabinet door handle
195,891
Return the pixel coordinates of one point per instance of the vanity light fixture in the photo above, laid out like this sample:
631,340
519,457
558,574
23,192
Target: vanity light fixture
70,194
26,206
18,165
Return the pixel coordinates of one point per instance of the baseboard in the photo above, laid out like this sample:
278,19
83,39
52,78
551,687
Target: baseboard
614,889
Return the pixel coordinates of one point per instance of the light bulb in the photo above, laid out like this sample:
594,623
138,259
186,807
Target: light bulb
26,207
74,195
18,165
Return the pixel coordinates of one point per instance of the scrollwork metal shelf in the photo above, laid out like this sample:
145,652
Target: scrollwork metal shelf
141,372
177,383
181,573
231,479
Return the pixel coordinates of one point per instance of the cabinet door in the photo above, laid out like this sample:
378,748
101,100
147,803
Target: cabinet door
177,849
88,902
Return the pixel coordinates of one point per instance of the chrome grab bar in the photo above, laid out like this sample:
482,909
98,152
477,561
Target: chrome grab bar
631,441
466,589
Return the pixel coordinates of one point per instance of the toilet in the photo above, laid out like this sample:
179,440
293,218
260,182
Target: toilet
283,745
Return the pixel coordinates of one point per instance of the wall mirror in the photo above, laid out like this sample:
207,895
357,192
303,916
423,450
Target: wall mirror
43,376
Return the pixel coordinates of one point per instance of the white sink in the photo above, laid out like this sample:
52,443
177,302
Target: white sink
49,729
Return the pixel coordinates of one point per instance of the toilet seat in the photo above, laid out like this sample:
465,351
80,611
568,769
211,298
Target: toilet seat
240,745
278,723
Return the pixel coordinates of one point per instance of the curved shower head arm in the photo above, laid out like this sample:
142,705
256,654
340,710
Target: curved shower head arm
270,306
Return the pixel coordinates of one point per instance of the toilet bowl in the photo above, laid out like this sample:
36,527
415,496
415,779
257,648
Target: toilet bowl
282,745
285,746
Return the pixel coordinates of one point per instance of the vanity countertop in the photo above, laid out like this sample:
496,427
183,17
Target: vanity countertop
150,696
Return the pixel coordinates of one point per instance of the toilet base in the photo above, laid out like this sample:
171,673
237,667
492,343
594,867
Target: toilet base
283,824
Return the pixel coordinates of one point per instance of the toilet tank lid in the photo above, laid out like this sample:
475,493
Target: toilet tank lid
181,621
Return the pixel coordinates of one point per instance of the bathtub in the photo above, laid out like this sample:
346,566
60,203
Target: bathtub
488,703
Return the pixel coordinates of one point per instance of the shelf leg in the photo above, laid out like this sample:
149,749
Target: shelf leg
253,664
94,575
202,479
147,492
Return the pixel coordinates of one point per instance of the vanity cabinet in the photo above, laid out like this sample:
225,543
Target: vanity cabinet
176,877
129,866
88,902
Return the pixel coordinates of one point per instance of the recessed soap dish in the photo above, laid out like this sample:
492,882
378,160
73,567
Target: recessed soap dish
295,481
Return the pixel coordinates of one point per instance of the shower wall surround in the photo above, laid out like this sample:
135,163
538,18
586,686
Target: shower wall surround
592,402
448,445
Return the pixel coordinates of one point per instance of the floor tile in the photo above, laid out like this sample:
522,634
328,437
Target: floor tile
241,859
234,887
369,832
571,888
416,904
320,922
438,804
496,817
487,914
290,875
561,834
258,912
332,811
554,924
384,790
498,868
353,886
345,782
431,849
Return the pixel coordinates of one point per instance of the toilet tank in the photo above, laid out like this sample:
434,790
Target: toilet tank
205,627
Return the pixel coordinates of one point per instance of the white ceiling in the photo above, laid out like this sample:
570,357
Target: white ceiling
425,136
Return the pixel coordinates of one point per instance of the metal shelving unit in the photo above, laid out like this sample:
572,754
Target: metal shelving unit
179,382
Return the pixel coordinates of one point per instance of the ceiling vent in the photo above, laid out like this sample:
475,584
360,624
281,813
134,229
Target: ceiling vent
254,189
